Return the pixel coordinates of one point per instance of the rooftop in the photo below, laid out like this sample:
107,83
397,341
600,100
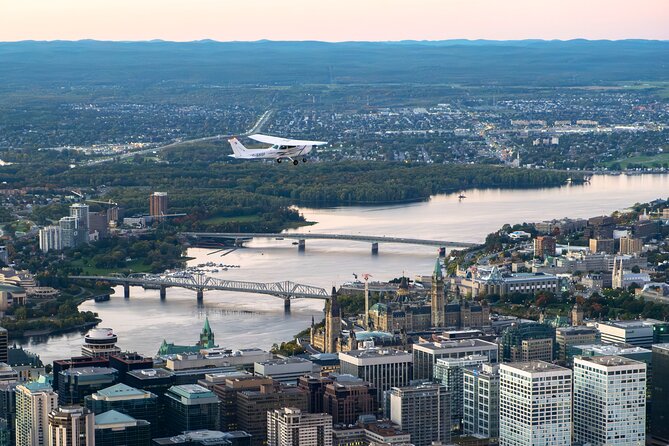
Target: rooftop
535,366
87,371
120,390
609,360
112,417
289,360
612,349
375,353
456,343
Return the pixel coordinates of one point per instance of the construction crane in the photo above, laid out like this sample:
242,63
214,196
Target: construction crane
110,203
365,319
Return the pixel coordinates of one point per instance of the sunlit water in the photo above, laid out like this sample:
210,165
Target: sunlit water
246,320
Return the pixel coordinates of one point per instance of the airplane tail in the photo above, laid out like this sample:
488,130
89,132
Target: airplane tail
238,148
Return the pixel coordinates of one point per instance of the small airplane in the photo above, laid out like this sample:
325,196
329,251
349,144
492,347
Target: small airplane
282,148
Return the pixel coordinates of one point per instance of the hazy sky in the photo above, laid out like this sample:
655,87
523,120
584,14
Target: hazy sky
332,20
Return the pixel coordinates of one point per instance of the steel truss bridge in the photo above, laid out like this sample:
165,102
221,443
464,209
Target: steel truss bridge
241,237
199,282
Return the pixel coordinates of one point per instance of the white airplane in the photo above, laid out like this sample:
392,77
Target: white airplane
282,148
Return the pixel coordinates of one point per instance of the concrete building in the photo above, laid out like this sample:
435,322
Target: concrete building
69,232
100,342
423,412
284,370
71,426
606,245
158,204
114,428
622,278
346,398
289,426
370,432
609,401
191,407
631,246
567,337
449,372
425,355
34,403
527,342
244,358
535,404
544,245
637,333
483,281
49,239
384,368
253,405
480,401
79,211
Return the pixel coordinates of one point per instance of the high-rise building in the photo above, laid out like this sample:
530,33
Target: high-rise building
4,345
527,342
114,428
139,404
438,297
481,401
205,437
127,362
80,212
50,239
100,342
609,401
97,222
191,407
425,355
8,412
71,426
289,426
606,245
631,246
158,204
567,337
449,372
34,403
534,404
69,232
544,245
637,333
384,368
422,411
346,398
284,370
74,384
253,405
659,410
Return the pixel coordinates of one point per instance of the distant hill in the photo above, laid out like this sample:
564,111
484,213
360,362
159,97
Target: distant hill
528,62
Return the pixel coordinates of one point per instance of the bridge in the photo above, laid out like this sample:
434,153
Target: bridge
241,237
199,282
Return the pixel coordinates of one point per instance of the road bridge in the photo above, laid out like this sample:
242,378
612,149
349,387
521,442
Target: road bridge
241,237
199,282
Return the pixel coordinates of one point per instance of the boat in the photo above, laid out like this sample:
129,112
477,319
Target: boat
101,298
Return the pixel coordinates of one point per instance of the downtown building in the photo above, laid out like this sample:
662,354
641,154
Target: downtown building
71,426
383,368
289,426
423,412
609,401
480,402
534,404
34,403
425,355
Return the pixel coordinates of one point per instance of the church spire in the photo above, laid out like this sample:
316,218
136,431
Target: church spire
437,274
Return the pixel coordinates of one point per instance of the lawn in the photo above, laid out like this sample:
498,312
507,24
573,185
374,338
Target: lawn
135,266
644,160
217,220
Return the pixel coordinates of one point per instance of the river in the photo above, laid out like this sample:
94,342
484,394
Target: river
245,320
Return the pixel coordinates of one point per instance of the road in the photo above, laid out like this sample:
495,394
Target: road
256,128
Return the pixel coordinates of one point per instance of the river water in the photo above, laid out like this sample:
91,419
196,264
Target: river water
246,320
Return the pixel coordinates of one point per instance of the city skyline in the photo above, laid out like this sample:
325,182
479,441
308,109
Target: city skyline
333,21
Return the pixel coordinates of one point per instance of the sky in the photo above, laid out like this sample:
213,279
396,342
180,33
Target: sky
332,20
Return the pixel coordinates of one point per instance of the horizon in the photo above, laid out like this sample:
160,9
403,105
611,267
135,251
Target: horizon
206,40
332,21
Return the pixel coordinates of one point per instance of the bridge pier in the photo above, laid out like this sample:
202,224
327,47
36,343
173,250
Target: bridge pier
301,245
126,290
163,292
442,251
375,248
286,305
200,295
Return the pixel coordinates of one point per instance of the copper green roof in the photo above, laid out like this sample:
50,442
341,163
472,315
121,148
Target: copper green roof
206,328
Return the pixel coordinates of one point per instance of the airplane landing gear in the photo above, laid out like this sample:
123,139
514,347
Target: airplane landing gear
278,160
304,160
296,162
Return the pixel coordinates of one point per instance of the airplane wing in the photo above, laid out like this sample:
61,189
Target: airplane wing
284,141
